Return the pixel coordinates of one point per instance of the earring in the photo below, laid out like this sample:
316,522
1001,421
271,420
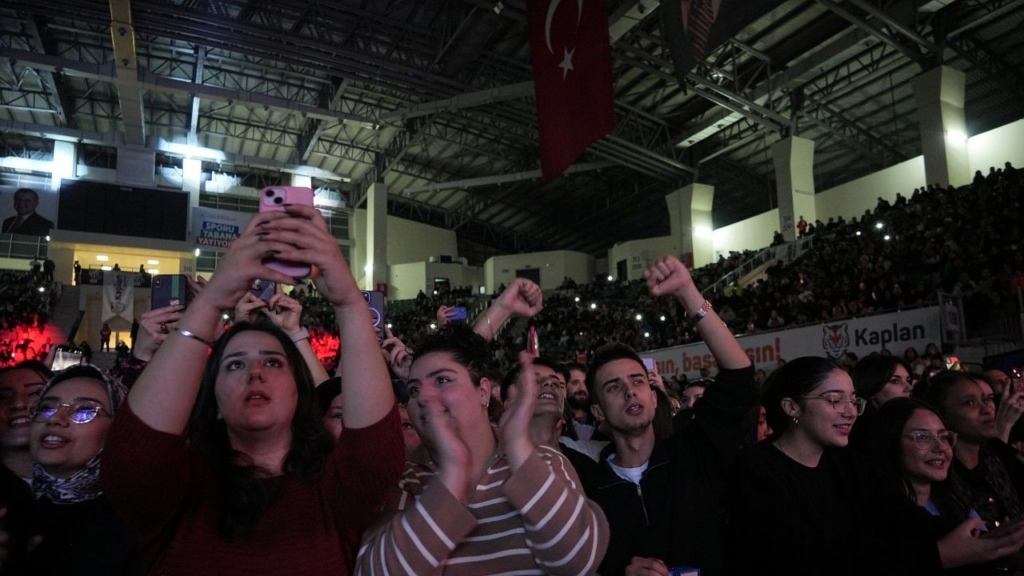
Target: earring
219,415
796,422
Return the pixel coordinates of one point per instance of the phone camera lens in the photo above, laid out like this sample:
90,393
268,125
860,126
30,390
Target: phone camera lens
278,200
269,193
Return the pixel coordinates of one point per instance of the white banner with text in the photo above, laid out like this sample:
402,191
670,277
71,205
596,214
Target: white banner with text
214,228
896,332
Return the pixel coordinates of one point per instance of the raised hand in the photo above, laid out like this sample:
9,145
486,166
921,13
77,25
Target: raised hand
450,452
284,312
243,263
396,354
667,276
246,308
521,298
964,545
154,326
1011,406
306,238
514,426
646,567
444,314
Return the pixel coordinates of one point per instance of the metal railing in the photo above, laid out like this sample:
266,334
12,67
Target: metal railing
19,246
788,253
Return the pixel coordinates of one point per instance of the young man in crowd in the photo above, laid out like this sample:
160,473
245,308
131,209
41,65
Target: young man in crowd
579,401
662,497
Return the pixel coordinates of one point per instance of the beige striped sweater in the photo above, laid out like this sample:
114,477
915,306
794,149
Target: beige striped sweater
536,521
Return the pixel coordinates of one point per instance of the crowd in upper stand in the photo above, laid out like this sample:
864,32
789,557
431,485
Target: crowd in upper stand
230,449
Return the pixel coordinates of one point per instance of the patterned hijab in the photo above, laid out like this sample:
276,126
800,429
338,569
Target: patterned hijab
85,484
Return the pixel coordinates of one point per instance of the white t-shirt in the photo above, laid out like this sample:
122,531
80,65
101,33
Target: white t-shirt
632,474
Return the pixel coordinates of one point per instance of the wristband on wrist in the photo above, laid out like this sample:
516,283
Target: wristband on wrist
194,336
300,334
701,312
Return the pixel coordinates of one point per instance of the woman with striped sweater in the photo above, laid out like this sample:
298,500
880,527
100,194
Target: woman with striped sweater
474,500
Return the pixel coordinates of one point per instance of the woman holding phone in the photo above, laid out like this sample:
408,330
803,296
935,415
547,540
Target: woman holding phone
220,459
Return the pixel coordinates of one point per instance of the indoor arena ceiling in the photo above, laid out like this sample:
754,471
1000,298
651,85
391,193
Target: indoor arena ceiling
435,98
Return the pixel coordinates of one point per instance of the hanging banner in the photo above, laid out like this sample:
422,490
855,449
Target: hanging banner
213,228
862,336
118,295
694,28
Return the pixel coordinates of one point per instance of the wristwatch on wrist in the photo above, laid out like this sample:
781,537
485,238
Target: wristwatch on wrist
300,334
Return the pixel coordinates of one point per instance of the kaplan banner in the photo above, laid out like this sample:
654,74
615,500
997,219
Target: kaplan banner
896,332
694,28
213,228
118,295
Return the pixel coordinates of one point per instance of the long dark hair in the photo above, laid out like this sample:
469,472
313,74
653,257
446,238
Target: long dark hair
886,449
794,378
873,372
245,496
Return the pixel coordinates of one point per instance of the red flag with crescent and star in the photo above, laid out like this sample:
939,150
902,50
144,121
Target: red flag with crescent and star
572,72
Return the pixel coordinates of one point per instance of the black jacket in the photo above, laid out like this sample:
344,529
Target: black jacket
674,513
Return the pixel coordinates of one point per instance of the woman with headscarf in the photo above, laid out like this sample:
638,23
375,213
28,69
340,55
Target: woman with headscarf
77,529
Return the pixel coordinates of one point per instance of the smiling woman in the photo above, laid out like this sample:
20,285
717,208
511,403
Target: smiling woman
80,531
797,501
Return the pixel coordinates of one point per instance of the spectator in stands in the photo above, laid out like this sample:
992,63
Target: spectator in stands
476,484
914,498
549,410
877,379
999,381
255,482
105,338
806,488
986,474
661,496
26,221
409,435
331,404
692,392
579,402
20,386
80,532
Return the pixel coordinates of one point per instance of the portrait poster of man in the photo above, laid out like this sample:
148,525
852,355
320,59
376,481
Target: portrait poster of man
27,208
694,28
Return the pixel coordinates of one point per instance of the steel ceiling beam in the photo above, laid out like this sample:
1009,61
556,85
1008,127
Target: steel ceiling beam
502,178
197,78
52,82
462,101
122,36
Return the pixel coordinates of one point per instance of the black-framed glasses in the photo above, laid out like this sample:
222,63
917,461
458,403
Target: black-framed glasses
927,440
78,413
840,401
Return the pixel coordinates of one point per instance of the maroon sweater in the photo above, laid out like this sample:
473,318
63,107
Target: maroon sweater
170,497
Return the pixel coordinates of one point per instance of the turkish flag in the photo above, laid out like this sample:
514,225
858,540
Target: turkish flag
572,72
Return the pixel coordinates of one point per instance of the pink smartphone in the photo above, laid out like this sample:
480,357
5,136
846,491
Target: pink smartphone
274,199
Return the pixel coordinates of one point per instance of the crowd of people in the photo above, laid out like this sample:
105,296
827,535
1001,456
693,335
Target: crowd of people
26,301
232,449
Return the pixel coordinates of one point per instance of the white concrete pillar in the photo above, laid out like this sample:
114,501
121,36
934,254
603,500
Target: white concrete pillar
376,269
939,94
65,161
191,183
300,180
794,178
136,166
689,210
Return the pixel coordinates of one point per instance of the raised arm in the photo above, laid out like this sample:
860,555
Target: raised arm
669,277
307,239
163,396
285,312
521,298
